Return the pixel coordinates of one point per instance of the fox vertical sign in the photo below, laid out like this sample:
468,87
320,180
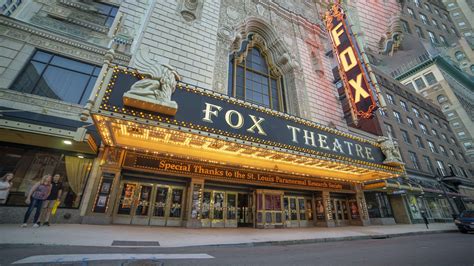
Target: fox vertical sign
351,69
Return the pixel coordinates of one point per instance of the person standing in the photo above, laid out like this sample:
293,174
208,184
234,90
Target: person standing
56,191
37,194
425,219
5,186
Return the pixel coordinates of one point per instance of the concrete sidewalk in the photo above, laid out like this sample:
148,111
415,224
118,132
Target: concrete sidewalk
104,235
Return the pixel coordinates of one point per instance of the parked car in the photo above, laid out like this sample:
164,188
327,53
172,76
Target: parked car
465,221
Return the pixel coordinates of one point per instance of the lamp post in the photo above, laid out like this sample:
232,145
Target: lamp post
440,178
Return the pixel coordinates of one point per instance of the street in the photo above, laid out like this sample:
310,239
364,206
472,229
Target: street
433,249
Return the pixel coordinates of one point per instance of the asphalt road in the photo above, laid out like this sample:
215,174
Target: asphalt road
435,249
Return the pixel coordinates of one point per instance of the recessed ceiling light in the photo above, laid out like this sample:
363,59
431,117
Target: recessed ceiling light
67,142
80,156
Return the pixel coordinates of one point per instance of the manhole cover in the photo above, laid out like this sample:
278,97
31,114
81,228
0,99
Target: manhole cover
136,243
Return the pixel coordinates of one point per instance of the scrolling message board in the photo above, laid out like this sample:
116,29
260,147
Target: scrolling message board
351,69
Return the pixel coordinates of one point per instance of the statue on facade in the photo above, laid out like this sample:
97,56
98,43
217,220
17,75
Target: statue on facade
391,151
153,92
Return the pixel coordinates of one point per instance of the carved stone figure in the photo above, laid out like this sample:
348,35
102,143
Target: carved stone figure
153,93
391,151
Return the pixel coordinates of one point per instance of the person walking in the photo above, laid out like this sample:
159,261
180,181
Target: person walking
37,194
5,186
55,195
425,219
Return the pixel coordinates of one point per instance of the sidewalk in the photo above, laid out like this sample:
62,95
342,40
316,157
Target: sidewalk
104,235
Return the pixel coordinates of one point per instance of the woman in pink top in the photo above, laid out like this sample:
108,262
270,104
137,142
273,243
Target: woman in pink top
38,193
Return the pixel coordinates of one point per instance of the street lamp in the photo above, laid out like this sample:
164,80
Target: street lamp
439,178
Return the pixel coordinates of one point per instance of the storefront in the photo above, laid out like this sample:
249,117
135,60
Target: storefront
216,161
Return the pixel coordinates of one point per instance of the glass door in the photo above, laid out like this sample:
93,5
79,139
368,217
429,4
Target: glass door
125,203
160,206
231,210
244,210
176,207
141,212
167,206
219,209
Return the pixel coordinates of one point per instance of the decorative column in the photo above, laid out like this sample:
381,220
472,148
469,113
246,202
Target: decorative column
327,209
362,205
193,203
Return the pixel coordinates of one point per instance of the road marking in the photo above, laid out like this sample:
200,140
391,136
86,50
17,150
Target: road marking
102,257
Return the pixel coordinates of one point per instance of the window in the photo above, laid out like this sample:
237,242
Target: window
390,99
445,125
436,11
459,55
417,3
427,116
453,154
444,27
390,130
410,85
443,136
432,146
410,11
414,160
453,31
453,141
441,167
109,11
397,117
419,32
436,121
443,40
456,124
443,150
456,14
29,163
467,145
434,132
416,112
428,163
462,157
253,80
406,27
461,134
410,122
450,114
462,24
423,129
424,19
57,77
432,37
430,78
435,23
404,105
464,173
382,112
419,142
441,99
427,7
405,136
420,84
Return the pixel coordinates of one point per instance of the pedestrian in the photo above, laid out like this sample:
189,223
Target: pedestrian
55,195
37,194
425,219
5,186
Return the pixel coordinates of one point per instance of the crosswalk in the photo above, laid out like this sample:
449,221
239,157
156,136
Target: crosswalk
107,257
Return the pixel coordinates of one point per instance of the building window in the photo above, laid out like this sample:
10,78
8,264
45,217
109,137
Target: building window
435,23
416,112
30,163
443,40
417,3
443,136
419,32
406,27
390,132
410,85
432,37
434,132
423,129
253,80
441,167
410,11
419,142
57,77
461,134
382,112
428,163
424,19
467,145
464,173
404,105
378,205
436,121
459,55
462,24
436,11
453,154
414,160
453,141
405,136
411,123
462,157
109,11
453,31
441,99
445,125
427,117
444,27
397,117
420,84
456,124
427,7
390,99
432,147
430,78
443,150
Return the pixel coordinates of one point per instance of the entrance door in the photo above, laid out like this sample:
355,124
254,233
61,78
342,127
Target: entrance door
149,204
341,209
219,209
298,211
244,210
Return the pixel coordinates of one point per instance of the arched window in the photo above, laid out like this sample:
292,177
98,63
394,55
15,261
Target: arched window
252,78
442,99
459,55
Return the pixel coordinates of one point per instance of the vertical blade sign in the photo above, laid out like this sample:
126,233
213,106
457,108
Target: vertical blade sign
351,69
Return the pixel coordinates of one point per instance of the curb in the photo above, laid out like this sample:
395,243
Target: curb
328,239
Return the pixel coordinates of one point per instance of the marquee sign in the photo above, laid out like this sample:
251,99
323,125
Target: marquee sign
351,68
212,112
